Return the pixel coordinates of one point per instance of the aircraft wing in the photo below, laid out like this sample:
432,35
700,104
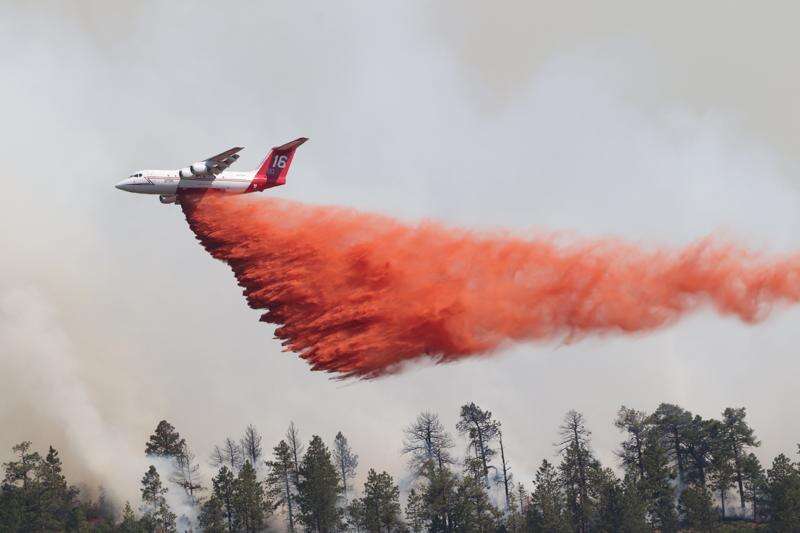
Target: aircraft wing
217,163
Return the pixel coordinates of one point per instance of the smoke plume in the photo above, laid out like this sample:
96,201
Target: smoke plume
359,294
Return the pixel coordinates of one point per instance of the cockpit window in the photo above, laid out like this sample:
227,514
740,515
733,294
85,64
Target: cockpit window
139,175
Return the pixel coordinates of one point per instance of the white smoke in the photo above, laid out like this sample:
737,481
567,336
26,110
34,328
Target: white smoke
40,369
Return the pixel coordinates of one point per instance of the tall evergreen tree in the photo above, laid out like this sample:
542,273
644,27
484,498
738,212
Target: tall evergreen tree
250,505
657,485
722,470
129,523
740,437
576,463
280,485
165,441
319,489
547,510
55,500
472,511
635,424
755,484
481,430
672,422
427,444
223,490
697,510
381,503
416,513
157,515
783,492
212,517
620,507
346,461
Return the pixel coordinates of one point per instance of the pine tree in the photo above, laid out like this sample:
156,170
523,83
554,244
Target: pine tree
636,425
722,470
439,497
319,489
755,483
250,506
697,510
671,423
165,441
427,444
657,485
481,430
577,461
472,511
55,500
356,514
783,491
157,515
381,502
546,512
186,474
416,513
129,523
739,436
212,518
251,446
618,510
279,481
223,490
346,461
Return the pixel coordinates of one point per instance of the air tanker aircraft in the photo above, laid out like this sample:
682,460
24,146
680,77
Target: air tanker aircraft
210,174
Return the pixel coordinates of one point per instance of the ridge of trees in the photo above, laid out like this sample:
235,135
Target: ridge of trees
676,471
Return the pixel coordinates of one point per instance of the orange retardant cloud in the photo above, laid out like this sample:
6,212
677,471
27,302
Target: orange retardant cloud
359,294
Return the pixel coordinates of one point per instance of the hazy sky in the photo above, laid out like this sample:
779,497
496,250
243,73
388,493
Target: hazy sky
657,124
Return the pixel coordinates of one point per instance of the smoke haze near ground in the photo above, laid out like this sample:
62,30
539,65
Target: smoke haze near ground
359,294
607,122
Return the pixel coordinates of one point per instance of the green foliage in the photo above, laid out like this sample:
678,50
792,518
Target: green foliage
212,516
547,511
481,430
156,514
698,512
416,513
280,488
165,441
678,468
318,489
783,494
381,502
249,504
223,490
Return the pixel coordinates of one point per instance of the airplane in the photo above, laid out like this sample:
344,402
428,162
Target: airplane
209,174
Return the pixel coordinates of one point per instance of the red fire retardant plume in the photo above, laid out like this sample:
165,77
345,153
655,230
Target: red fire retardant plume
359,294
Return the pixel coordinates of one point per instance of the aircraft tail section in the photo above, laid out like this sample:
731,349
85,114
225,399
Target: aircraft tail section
275,166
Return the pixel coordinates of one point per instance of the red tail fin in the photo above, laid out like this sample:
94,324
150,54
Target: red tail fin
275,166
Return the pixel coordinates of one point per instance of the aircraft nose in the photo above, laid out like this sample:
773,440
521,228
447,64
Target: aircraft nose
123,185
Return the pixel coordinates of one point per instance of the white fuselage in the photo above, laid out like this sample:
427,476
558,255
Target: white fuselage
167,182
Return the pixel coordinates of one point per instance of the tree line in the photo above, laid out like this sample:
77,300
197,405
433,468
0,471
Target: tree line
676,471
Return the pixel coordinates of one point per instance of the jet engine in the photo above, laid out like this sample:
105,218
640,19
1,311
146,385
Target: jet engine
168,198
186,172
199,168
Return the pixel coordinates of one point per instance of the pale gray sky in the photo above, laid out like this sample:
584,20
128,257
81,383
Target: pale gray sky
659,125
